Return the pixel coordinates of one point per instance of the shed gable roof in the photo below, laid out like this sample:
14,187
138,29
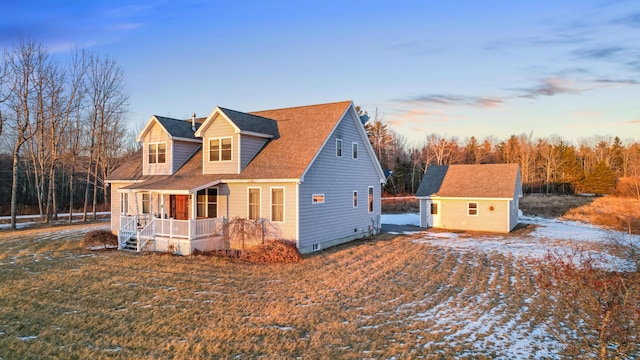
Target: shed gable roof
470,181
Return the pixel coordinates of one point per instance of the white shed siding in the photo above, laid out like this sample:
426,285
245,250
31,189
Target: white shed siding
250,145
156,135
182,150
220,128
336,220
453,215
233,201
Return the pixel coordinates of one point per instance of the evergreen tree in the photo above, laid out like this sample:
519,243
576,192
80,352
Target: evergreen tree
601,180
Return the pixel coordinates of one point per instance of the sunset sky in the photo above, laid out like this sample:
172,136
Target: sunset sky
455,68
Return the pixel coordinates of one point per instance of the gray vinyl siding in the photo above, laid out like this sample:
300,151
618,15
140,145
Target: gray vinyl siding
233,201
250,145
156,135
182,150
337,178
220,128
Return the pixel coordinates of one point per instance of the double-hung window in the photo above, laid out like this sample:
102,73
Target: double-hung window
277,204
370,199
338,147
207,203
254,203
355,198
472,208
354,150
157,153
220,149
146,203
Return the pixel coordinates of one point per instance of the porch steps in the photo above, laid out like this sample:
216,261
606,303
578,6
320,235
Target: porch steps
130,245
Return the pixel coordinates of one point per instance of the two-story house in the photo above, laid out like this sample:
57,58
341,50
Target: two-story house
309,170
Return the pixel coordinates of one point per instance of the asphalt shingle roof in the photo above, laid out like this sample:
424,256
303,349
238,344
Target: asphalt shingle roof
470,181
179,128
252,123
299,134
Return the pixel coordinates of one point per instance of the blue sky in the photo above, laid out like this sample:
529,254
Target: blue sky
455,68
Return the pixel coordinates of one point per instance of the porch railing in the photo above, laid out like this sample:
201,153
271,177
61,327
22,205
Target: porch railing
146,228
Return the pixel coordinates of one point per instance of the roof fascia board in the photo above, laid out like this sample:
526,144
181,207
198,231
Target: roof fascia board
460,198
324,143
147,127
251,133
211,118
199,141
367,144
260,180
122,181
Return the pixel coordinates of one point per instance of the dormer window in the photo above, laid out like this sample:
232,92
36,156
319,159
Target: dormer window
157,153
220,149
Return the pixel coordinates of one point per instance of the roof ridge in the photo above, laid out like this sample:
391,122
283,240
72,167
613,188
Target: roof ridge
300,106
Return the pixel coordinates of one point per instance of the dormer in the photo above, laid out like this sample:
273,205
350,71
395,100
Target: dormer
167,143
231,139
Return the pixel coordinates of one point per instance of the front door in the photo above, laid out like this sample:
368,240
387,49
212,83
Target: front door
179,209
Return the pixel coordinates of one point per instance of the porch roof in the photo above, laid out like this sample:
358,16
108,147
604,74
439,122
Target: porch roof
174,184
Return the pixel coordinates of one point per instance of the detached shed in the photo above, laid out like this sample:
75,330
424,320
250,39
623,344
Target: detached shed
482,197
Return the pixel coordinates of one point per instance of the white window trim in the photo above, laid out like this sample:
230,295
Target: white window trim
219,149
124,204
354,154
317,202
339,147
148,194
355,199
477,208
371,205
166,153
283,204
259,202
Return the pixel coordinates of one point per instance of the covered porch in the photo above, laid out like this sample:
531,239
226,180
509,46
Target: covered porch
175,221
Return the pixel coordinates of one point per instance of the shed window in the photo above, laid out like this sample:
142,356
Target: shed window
472,208
434,209
157,153
370,199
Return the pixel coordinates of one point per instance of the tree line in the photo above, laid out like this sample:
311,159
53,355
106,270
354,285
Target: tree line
62,129
548,165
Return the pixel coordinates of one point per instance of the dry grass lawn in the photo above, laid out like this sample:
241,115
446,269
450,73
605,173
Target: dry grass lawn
377,298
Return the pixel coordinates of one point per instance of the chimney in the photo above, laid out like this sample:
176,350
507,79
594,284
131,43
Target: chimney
193,122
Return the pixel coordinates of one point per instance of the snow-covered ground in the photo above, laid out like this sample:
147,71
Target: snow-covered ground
505,333
554,235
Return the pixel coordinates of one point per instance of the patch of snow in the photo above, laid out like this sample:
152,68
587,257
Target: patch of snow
401,219
27,338
550,235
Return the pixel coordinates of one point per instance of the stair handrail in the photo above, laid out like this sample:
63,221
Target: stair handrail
147,233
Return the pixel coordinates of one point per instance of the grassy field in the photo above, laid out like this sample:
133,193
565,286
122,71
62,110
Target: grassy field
385,297
378,298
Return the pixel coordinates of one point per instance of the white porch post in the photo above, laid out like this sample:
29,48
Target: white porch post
194,215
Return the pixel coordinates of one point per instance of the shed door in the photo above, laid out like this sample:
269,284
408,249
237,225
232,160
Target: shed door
434,213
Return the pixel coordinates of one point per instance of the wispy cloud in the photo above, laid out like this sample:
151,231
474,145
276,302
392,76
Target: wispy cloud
632,20
599,53
413,117
453,100
637,121
550,87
